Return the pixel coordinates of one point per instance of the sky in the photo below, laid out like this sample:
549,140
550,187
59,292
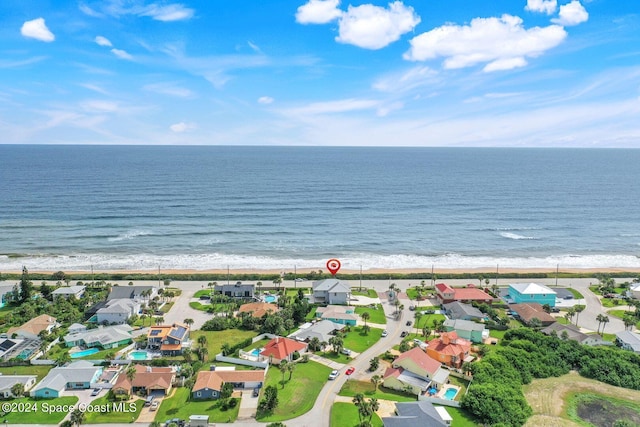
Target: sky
518,73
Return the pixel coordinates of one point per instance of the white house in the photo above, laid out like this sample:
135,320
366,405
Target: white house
69,291
8,381
331,291
634,290
117,311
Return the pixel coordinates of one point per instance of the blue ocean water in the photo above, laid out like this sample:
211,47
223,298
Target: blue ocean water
141,207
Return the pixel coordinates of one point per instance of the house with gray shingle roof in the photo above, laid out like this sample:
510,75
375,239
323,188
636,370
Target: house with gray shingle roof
629,341
8,381
422,413
323,330
102,337
331,291
472,331
117,311
458,310
75,376
69,291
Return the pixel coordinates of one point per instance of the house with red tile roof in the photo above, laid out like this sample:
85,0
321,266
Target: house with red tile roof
258,309
417,370
281,348
449,349
528,311
209,384
446,294
146,381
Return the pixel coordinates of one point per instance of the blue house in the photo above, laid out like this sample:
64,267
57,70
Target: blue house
532,292
340,314
79,375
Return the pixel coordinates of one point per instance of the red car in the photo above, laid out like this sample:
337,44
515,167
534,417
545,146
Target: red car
350,371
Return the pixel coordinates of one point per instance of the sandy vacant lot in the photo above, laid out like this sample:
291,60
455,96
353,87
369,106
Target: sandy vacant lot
547,398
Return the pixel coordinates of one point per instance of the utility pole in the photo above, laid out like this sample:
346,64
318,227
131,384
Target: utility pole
360,277
158,277
557,271
295,277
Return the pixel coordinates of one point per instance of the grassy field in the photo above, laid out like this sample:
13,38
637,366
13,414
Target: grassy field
371,293
215,339
300,393
257,344
358,342
576,294
461,418
39,370
548,398
352,387
128,415
36,413
179,406
376,314
346,415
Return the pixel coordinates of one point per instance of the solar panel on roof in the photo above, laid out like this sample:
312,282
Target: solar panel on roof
155,332
7,344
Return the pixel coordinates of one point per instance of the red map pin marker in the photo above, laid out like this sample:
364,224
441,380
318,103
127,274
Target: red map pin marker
333,265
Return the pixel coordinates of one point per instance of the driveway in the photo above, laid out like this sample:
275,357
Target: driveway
181,309
248,405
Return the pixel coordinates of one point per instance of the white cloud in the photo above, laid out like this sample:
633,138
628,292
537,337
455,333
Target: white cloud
97,106
331,107
121,54
571,14
503,43
169,89
265,100
374,27
37,29
407,80
543,6
171,12
318,12
182,127
103,41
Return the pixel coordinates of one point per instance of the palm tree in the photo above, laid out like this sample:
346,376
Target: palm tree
277,282
365,316
131,373
599,318
418,316
283,369
605,320
204,352
374,406
629,320
291,367
189,321
17,389
77,417
314,344
578,309
376,380
186,353
202,340
426,331
259,286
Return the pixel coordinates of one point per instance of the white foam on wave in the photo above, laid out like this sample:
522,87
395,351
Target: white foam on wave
353,262
514,236
130,234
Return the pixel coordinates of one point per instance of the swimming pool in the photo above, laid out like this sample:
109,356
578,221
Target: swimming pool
83,353
450,393
255,352
269,298
139,355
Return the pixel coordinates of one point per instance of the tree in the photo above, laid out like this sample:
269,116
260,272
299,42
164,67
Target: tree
535,323
605,320
418,316
277,281
314,344
17,389
26,286
629,320
578,309
227,391
365,316
374,364
426,331
291,367
77,417
187,354
599,318
376,380
131,373
202,341
283,369
63,359
270,399
336,343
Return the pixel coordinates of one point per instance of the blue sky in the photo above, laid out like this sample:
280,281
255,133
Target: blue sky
321,72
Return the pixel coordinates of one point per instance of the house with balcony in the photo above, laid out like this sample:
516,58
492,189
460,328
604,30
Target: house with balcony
415,370
450,349
342,314
169,340
236,290
331,291
69,292
472,331
521,293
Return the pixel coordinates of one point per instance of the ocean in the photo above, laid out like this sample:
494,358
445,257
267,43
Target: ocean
192,207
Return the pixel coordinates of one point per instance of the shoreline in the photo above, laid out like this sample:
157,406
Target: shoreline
374,271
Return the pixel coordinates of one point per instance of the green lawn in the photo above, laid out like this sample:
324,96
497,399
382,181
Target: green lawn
346,415
494,333
198,306
125,412
461,418
376,314
371,293
39,411
39,370
339,358
576,294
179,406
300,393
257,344
166,307
352,387
312,314
203,292
612,302
215,339
358,342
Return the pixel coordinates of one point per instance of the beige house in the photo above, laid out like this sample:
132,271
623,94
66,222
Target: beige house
415,370
33,327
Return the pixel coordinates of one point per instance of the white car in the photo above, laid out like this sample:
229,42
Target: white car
154,405
346,351
333,375
384,333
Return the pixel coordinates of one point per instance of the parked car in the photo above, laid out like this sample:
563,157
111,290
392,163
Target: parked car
350,371
404,334
409,323
96,391
346,351
555,310
205,297
256,392
568,297
333,375
384,333
149,400
412,307
154,405
177,421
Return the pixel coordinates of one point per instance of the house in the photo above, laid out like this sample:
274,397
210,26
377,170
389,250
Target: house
331,291
634,291
572,332
529,311
79,375
170,340
445,294
238,290
76,328
69,292
138,293
629,341
323,330
6,294
8,381
416,370
532,292
344,315
102,337
459,310
147,380
258,309
450,349
209,384
472,331
19,348
32,328
117,311
421,413
281,348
